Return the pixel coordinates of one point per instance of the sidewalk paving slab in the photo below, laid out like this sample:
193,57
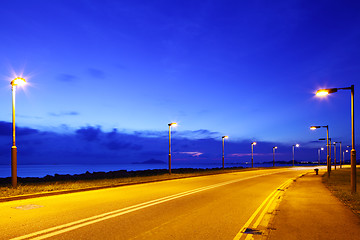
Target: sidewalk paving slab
309,211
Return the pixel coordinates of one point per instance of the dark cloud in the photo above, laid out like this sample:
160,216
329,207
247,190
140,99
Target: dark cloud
117,145
90,145
89,133
66,77
96,73
6,130
61,114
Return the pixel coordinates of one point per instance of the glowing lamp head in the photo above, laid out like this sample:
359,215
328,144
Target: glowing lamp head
347,151
324,92
225,136
253,143
314,127
322,149
18,81
297,145
172,124
274,147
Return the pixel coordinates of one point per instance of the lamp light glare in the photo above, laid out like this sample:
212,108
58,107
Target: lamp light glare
322,92
18,81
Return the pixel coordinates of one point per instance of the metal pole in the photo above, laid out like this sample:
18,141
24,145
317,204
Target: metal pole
223,153
340,156
335,154
13,148
169,148
327,151
273,157
252,155
293,154
319,155
353,152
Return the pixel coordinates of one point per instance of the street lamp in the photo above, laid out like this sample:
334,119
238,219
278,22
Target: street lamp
324,92
170,124
320,149
252,153
344,155
15,82
335,153
328,149
340,154
296,145
274,156
334,143
223,157
329,162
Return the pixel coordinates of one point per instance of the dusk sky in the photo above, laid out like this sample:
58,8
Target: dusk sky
106,77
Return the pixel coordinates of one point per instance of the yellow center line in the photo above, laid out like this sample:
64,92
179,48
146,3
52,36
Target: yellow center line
46,233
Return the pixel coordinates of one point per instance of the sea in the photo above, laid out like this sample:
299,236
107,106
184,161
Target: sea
43,170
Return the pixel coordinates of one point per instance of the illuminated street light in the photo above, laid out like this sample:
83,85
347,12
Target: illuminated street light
223,156
170,124
293,148
16,82
328,148
274,155
344,155
252,153
324,92
319,150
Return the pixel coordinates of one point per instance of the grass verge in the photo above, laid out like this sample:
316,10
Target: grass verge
90,181
339,184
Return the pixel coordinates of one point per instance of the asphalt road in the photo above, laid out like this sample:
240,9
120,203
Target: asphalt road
209,207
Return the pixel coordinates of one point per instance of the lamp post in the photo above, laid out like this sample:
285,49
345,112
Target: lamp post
335,153
324,92
328,149
223,151
334,143
320,149
344,155
329,162
252,153
340,155
293,148
274,155
170,124
15,82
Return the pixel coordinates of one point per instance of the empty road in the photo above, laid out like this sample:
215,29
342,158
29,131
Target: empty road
209,207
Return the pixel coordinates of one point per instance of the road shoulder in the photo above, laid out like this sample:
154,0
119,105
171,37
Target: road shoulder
308,210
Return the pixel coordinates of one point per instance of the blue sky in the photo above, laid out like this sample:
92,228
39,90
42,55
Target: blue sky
247,69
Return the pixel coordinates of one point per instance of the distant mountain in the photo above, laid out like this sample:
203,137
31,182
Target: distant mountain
150,161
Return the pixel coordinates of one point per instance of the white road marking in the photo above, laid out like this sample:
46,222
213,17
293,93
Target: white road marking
46,233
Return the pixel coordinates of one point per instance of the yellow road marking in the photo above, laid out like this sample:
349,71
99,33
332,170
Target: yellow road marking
46,233
268,201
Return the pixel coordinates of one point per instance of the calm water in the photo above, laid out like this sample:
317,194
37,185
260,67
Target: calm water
43,170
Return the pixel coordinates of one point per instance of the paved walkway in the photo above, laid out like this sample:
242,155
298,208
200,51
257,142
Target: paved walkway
309,211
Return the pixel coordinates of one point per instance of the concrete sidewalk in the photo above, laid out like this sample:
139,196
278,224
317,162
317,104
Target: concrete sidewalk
308,210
